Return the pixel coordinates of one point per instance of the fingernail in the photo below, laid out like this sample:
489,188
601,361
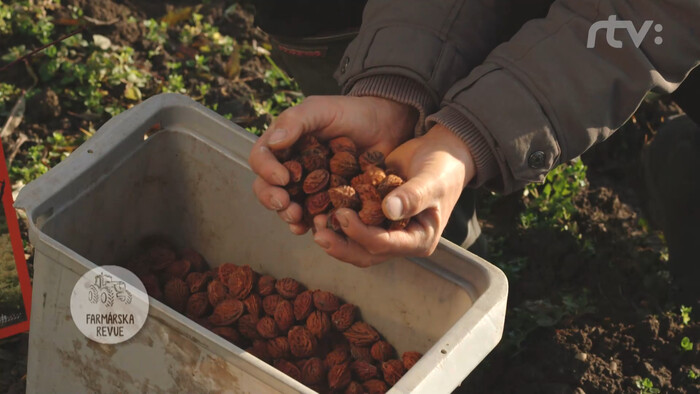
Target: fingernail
343,219
322,243
286,217
394,208
276,204
279,180
278,136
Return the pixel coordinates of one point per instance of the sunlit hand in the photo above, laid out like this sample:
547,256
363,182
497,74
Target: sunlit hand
438,166
372,123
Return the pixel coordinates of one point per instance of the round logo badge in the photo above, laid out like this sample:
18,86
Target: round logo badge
109,304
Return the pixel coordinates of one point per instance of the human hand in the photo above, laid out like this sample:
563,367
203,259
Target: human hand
372,123
438,166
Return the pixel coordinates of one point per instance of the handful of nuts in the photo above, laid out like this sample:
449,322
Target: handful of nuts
323,178
310,335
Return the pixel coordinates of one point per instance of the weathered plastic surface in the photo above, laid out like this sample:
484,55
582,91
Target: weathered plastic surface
191,182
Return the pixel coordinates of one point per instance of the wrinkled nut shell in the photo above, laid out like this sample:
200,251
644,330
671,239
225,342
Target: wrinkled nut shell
178,269
318,203
410,359
267,328
363,370
283,155
266,285
388,184
344,164
278,347
217,292
288,368
196,260
197,305
344,197
227,312
382,351
176,294
371,214
240,283
303,305
307,141
313,159
295,170
337,180
302,343
316,181
374,158
339,376
361,353
342,144
326,301
375,386
313,371
288,288
335,357
368,193
318,323
225,271
270,303
393,370
284,315
259,350
253,305
344,317
197,281
247,326
361,334
354,388
374,174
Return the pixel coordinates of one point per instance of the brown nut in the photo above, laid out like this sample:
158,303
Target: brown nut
225,271
317,203
382,351
197,281
259,350
197,263
313,371
375,386
337,180
374,175
371,214
363,370
150,282
344,164
344,197
270,303
339,376
393,370
295,170
284,315
247,326
388,184
278,347
228,333
303,305
267,328
354,388
197,305
306,141
288,368
332,222
361,334
178,269
336,356
302,343
342,144
217,292
313,159
318,323
176,293
161,255
371,158
283,155
344,317
253,305
410,359
367,193
316,181
288,288
226,312
361,353
326,301
266,285
241,282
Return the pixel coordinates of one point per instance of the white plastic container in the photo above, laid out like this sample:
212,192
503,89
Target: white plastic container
191,182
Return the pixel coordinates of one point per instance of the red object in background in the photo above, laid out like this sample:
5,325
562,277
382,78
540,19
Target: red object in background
17,250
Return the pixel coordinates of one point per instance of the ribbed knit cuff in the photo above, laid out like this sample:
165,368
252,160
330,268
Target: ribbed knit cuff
400,89
485,161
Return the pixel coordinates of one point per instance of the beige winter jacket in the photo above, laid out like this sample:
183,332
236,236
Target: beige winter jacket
535,101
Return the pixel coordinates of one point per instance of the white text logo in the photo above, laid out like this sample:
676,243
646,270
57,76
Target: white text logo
612,24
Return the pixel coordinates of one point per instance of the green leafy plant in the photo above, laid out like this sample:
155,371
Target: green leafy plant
687,344
646,386
685,314
692,375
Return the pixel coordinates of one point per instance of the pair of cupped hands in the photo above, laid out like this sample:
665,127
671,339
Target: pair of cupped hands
436,165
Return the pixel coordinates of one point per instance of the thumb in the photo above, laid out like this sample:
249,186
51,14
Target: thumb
311,115
413,197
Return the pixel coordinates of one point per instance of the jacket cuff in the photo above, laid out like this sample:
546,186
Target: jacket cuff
484,159
400,89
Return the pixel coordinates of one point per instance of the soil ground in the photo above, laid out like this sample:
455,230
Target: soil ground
597,316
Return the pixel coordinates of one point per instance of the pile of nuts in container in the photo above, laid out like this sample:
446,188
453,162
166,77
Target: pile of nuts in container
310,335
324,177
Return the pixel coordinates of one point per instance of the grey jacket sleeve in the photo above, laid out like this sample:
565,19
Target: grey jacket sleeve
544,97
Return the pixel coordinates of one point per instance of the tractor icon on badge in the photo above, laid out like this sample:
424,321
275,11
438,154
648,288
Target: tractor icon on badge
105,289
